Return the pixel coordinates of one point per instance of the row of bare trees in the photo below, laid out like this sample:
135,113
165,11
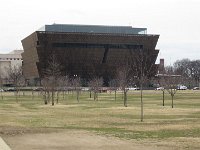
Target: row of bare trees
169,82
51,90
137,70
14,76
185,72
189,70
54,83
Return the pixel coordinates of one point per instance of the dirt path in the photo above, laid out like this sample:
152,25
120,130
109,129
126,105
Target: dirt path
73,140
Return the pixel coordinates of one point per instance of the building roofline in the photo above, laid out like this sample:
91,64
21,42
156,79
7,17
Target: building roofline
90,33
93,28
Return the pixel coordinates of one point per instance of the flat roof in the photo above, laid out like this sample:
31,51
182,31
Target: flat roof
93,29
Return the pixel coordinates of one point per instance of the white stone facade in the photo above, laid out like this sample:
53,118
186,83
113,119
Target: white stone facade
11,59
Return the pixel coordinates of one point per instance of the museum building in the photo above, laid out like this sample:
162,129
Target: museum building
86,51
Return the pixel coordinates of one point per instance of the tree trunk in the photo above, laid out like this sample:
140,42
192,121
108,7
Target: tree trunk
57,98
66,95
45,101
16,94
141,100
45,98
63,93
172,101
163,98
52,98
48,96
77,95
32,95
115,95
125,98
94,95
90,94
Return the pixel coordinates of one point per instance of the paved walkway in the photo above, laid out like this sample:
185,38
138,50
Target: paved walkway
3,145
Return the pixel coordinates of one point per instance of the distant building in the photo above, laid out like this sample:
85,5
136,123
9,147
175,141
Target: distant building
86,50
10,60
161,68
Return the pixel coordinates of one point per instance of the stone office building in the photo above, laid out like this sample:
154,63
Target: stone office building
9,60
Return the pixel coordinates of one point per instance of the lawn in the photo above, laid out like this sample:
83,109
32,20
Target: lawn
162,124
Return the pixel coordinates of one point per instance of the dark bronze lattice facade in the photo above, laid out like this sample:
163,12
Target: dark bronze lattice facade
84,54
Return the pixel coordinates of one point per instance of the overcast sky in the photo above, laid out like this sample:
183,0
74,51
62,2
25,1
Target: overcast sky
176,21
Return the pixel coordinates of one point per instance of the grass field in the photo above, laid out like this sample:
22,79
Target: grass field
178,127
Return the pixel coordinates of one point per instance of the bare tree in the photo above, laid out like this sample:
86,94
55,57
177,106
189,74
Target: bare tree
161,82
63,82
184,68
90,91
114,86
170,82
189,71
15,75
60,88
51,74
123,76
76,84
45,90
96,84
195,71
163,92
143,69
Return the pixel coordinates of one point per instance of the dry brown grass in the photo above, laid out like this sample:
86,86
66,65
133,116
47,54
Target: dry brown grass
177,128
